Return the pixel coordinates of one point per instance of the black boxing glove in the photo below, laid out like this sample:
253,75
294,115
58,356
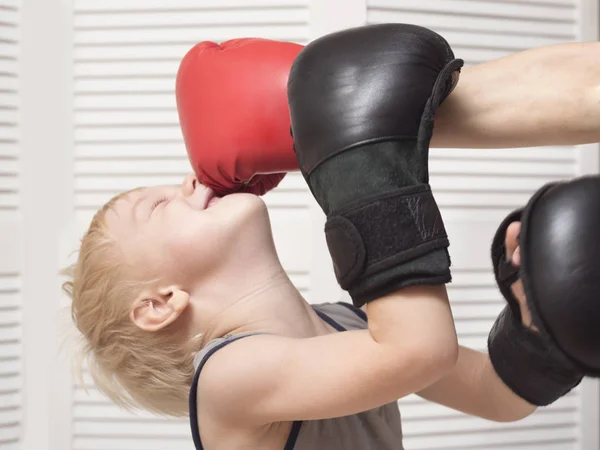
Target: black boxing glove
560,270
362,103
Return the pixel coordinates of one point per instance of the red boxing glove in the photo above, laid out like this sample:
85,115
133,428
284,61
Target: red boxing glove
233,111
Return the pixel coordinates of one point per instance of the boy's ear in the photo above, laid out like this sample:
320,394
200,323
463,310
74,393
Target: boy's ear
153,311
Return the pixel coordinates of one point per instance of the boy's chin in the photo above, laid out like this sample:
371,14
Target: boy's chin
239,202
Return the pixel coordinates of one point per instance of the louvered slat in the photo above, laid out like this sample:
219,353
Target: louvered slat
10,358
127,134
10,284
9,103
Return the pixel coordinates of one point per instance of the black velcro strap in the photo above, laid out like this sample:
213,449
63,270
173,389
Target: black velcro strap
528,363
383,231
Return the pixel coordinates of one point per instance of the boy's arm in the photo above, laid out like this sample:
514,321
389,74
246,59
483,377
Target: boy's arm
544,96
410,343
473,387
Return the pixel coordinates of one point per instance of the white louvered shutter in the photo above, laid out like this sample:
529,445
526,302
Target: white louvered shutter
475,190
10,224
126,55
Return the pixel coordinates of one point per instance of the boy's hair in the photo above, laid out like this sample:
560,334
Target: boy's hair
134,368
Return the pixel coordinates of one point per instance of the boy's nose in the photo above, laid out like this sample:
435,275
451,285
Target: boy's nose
189,185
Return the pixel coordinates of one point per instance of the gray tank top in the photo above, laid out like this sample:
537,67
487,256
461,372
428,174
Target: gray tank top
376,429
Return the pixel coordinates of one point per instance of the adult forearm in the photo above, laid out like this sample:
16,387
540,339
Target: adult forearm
544,96
473,387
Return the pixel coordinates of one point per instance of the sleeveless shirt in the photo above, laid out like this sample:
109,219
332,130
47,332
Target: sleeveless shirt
375,429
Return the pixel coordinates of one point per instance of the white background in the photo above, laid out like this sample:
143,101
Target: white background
87,110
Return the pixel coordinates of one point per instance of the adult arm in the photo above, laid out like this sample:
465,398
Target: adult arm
544,96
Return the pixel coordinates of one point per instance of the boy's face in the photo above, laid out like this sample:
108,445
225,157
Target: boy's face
178,232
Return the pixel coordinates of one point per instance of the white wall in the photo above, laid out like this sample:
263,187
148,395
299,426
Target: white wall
97,116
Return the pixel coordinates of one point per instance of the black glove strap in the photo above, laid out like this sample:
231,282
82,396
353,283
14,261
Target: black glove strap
384,231
530,365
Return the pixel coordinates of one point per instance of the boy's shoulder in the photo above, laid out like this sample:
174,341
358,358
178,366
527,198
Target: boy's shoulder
230,364
232,373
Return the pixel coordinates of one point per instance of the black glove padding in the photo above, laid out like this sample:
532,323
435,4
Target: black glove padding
560,270
362,103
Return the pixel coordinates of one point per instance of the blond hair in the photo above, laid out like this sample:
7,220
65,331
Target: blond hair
134,368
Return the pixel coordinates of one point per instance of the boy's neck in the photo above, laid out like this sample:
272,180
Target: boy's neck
273,305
